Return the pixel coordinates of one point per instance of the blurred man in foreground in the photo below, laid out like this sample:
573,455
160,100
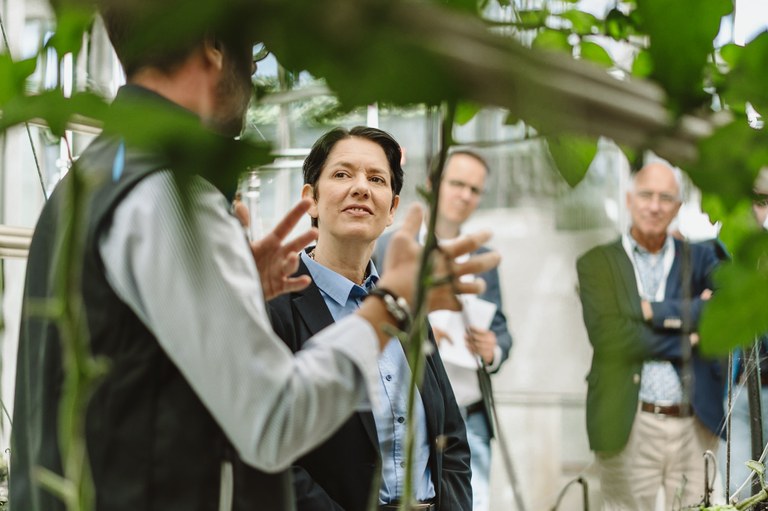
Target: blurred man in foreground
203,406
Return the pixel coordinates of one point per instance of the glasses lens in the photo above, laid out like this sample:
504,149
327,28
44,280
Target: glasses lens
260,52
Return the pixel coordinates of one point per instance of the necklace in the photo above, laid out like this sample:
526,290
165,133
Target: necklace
367,273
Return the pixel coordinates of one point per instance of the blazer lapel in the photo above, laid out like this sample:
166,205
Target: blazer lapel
674,279
311,306
626,273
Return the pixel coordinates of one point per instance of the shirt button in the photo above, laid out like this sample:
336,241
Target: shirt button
388,377
402,464
401,419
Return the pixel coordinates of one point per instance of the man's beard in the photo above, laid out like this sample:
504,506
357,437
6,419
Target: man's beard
233,95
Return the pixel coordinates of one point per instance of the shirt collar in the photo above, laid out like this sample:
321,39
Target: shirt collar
336,286
636,247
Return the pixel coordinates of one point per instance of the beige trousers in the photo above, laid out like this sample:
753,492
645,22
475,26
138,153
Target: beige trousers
662,452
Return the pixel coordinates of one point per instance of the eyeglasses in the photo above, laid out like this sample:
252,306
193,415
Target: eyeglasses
666,199
259,52
457,183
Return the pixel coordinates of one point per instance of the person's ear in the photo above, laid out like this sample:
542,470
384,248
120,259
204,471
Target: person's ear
213,51
308,192
393,210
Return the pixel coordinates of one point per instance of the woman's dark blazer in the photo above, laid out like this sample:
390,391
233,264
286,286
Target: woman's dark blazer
343,472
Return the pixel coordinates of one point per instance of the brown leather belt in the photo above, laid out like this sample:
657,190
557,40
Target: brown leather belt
668,410
763,379
422,506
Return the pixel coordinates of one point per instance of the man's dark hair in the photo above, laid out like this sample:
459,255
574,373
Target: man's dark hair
163,33
313,164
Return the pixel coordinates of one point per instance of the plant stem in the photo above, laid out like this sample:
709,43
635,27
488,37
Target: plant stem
416,336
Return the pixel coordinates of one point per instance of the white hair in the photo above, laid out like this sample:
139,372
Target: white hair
653,159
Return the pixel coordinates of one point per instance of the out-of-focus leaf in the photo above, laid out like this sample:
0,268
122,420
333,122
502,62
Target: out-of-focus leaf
13,75
72,21
53,108
681,34
729,161
617,25
465,111
736,312
642,66
583,23
572,156
530,19
737,222
549,39
748,77
630,153
730,53
511,119
470,6
594,52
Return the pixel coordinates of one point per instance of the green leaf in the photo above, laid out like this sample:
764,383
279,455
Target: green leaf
731,53
465,111
642,66
748,78
572,156
531,19
549,39
737,222
729,320
583,23
72,21
681,35
595,53
729,161
617,25
13,76
470,6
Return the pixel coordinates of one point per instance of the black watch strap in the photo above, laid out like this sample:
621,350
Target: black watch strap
396,306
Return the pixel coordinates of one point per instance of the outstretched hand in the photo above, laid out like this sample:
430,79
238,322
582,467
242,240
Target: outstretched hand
403,256
277,261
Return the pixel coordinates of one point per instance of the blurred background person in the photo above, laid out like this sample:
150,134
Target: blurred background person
740,436
645,433
461,191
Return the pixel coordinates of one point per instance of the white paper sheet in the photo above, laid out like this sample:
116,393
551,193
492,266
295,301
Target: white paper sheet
479,314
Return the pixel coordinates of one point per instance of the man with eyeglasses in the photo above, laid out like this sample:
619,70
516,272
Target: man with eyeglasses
642,296
461,189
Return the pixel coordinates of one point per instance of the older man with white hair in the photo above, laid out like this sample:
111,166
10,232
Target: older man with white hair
642,296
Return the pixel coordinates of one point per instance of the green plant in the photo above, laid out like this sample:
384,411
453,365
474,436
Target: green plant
446,53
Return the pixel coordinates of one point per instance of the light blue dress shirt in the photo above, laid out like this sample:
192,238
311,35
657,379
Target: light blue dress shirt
343,297
659,383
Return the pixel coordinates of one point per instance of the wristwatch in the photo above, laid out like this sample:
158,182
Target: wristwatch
396,306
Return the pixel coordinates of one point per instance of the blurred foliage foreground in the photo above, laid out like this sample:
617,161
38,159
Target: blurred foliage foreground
551,65
677,95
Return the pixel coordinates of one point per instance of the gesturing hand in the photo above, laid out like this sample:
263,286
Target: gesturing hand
401,265
277,261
